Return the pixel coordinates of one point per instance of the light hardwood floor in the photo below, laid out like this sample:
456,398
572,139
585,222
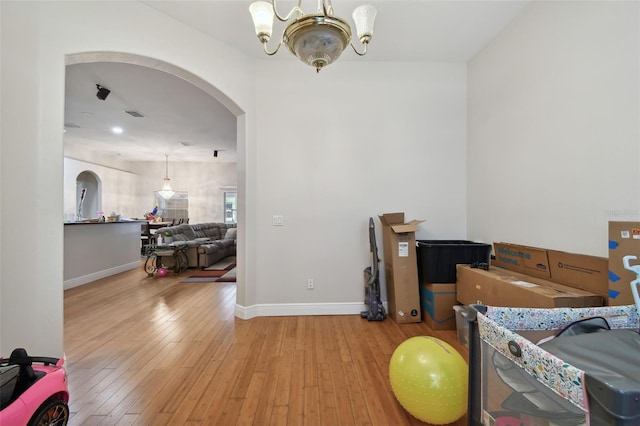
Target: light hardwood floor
154,351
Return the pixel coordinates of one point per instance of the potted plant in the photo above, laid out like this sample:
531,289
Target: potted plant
167,237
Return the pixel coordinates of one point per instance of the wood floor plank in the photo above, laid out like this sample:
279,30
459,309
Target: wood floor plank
278,416
267,395
295,415
250,402
154,351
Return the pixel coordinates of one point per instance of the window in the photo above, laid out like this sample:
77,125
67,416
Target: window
230,207
176,207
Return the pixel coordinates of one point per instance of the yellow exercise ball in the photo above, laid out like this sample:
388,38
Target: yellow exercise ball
430,379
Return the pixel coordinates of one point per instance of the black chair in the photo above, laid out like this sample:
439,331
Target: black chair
146,237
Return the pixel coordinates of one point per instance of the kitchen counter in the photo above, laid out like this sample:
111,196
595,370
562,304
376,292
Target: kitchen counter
95,250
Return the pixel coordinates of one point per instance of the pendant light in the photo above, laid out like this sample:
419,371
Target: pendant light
166,192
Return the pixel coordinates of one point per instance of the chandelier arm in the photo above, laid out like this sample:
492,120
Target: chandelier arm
296,9
328,8
264,44
364,52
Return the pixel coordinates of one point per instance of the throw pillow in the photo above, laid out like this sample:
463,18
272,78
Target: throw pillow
231,234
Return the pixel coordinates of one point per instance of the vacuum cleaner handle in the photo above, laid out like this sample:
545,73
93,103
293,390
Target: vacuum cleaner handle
374,252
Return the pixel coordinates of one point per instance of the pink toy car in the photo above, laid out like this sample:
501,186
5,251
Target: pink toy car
33,390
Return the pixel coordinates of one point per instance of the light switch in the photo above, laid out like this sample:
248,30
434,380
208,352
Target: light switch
278,220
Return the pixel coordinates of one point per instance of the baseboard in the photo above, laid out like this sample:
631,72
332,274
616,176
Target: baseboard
299,309
75,282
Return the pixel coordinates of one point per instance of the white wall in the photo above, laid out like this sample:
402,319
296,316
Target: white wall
334,149
118,187
36,39
129,191
203,181
554,127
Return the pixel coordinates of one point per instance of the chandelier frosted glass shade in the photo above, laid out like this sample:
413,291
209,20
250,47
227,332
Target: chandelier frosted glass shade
317,39
364,16
262,14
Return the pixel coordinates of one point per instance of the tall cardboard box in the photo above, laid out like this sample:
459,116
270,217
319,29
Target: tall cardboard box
438,300
624,240
401,267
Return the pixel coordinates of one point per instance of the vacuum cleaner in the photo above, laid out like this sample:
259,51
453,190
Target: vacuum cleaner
375,311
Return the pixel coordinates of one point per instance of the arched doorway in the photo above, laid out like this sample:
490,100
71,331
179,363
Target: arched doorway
89,57
88,195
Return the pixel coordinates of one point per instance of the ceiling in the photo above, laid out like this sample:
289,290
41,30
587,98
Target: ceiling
189,125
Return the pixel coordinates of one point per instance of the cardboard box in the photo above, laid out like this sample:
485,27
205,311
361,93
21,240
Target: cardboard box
437,305
501,287
532,261
624,240
580,271
401,267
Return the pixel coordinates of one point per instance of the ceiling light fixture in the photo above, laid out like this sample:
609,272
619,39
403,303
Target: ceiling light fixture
166,192
317,39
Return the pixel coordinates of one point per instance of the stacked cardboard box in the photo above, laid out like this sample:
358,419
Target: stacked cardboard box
502,287
438,300
524,276
437,260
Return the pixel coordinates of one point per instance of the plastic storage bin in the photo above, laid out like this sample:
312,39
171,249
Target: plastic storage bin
462,324
437,259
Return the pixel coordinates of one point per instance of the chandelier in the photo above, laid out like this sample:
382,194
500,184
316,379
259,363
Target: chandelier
317,39
166,192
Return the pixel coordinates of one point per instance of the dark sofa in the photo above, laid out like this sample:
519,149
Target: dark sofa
207,243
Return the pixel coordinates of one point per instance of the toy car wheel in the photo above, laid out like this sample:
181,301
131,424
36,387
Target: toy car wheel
51,413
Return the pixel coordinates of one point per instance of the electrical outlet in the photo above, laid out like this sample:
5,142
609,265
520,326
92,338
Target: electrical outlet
310,284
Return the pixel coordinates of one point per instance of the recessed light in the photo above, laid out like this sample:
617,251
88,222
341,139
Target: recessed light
117,130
